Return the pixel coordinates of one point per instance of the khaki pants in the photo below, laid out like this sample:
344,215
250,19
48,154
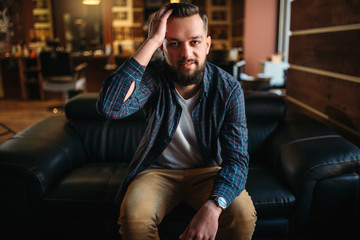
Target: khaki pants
155,192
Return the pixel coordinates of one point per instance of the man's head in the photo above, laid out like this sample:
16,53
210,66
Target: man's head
186,43
181,10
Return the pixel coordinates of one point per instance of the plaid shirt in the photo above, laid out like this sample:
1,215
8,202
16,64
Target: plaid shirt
218,117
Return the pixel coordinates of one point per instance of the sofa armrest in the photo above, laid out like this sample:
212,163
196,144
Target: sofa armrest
30,163
317,158
42,153
306,152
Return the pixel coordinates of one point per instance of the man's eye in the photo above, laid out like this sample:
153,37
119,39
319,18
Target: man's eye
174,44
195,42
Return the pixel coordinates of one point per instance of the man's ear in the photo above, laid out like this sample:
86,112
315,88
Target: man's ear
208,43
162,49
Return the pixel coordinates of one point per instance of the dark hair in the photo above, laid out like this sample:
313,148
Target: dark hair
187,10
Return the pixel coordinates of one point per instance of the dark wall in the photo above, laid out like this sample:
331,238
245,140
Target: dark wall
324,77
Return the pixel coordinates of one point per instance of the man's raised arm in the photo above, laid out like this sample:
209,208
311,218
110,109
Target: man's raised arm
156,36
120,87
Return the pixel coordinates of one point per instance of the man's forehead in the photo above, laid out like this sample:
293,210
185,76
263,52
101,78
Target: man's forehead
194,19
193,26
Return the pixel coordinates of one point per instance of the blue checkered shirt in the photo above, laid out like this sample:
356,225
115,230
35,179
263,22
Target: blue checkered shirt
218,117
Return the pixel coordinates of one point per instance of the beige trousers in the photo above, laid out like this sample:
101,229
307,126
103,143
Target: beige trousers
155,192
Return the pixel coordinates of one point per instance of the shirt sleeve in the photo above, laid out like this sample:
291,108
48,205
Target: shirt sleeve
231,179
110,102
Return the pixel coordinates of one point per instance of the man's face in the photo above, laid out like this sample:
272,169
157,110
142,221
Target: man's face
186,45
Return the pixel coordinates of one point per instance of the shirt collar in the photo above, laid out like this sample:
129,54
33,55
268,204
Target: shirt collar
206,81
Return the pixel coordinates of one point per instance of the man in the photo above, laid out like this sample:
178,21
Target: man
195,146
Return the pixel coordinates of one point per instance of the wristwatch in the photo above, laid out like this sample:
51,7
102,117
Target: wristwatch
219,201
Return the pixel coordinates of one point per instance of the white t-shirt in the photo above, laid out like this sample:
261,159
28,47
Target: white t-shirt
182,152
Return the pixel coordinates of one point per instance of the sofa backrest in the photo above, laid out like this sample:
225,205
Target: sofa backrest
104,140
107,140
264,112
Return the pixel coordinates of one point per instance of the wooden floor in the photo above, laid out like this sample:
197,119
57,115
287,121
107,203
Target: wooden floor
16,115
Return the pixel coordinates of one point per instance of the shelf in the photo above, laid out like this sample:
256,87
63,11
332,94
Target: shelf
42,20
41,11
42,25
127,25
30,78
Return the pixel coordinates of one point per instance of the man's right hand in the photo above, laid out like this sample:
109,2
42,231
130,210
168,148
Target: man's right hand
156,36
157,28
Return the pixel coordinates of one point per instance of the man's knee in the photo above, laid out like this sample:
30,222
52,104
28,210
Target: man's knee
139,213
238,220
242,208
137,222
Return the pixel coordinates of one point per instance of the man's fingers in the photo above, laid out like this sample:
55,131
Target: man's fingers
162,11
165,14
159,13
157,26
184,234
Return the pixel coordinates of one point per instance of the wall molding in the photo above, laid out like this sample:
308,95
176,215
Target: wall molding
326,73
325,29
322,115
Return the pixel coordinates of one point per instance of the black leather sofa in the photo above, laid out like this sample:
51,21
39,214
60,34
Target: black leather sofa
59,178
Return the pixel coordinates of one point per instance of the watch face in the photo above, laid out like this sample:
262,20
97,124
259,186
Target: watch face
222,202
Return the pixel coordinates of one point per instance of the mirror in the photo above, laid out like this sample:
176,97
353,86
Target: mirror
79,27
82,33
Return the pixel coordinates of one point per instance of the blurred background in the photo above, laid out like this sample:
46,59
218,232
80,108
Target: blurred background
305,50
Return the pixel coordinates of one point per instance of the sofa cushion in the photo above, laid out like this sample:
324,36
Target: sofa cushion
87,191
272,200
270,197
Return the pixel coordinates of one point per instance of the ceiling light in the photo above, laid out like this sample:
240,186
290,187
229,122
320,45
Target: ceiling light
91,2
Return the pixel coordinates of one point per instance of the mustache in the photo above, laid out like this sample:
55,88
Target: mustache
184,61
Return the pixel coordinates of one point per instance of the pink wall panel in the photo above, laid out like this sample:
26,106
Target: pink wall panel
260,33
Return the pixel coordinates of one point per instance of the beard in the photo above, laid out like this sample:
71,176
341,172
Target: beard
185,78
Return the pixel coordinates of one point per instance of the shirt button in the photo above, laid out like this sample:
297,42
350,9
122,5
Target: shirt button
138,74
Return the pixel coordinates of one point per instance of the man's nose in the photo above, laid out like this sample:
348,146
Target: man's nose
186,51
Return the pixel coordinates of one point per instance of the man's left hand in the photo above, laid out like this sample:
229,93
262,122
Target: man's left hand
204,225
